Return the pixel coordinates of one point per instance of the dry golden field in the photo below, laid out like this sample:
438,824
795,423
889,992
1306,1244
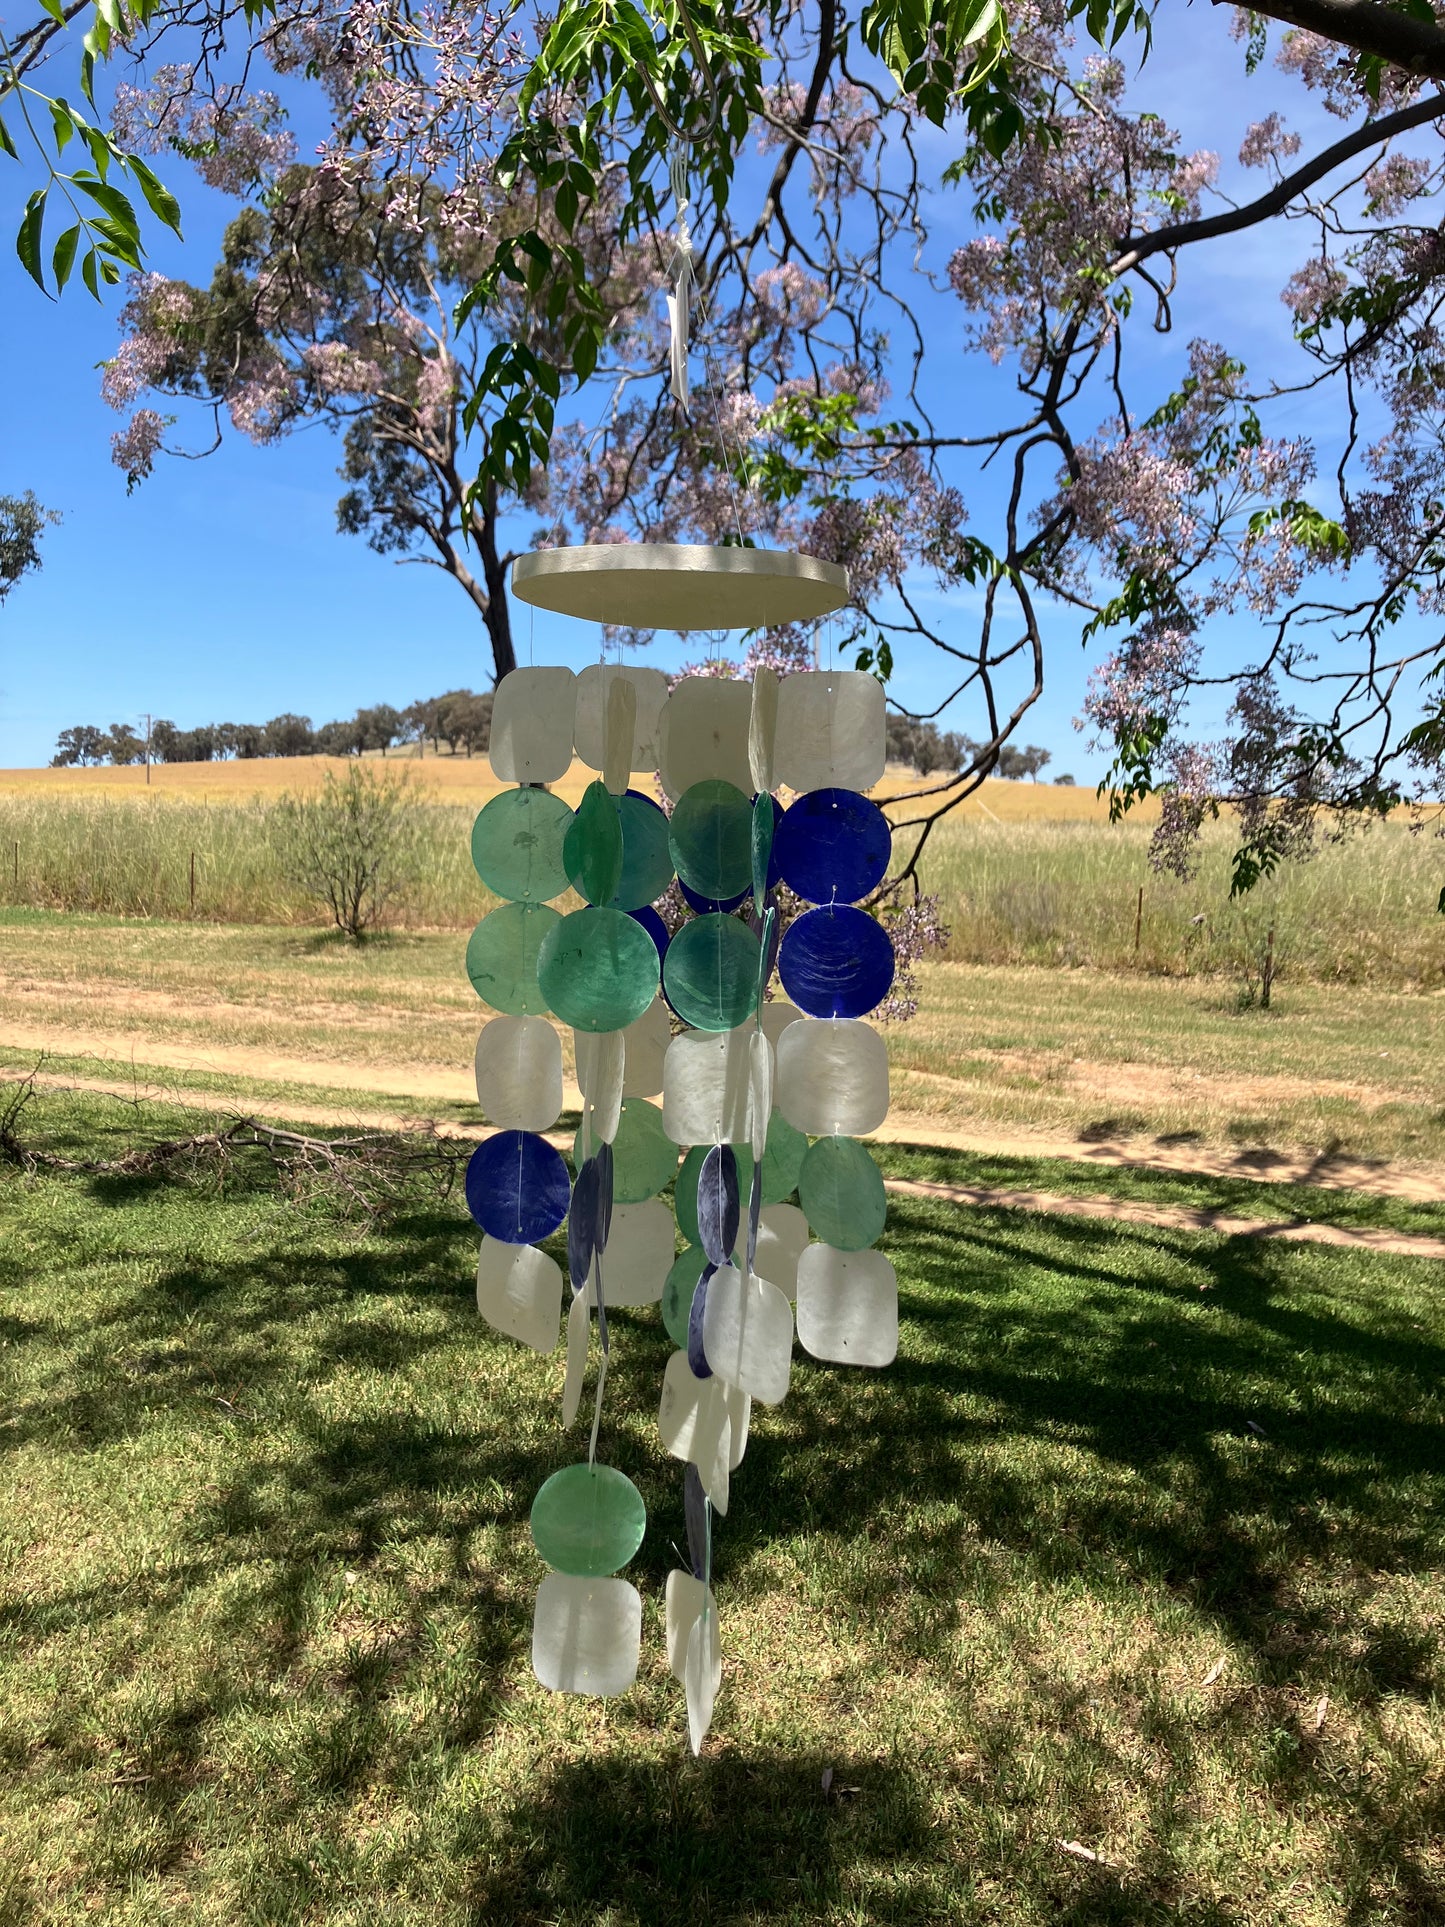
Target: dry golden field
467,780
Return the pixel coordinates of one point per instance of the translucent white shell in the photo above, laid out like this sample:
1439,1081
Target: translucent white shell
848,1306
646,1044
590,728
638,1256
532,716
519,1293
694,1421
600,1057
519,1073
704,733
833,1077
747,1334
586,1635
831,730
707,1083
782,1240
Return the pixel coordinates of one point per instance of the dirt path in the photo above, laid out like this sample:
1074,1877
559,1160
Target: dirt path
1048,1203
329,1078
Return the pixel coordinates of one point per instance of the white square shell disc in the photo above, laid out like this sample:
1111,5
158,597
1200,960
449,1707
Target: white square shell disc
782,1240
694,1422
590,728
600,1057
707,1086
831,730
532,712
519,1073
586,1635
638,1256
704,733
747,1333
645,1044
848,1306
778,1013
686,1597
833,1077
519,1293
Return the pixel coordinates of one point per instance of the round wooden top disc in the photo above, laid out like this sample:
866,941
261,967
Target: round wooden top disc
680,585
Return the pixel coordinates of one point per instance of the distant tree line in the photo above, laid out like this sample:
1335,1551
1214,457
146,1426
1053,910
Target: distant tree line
925,748
460,718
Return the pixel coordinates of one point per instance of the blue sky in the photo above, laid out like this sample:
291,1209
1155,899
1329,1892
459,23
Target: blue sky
221,590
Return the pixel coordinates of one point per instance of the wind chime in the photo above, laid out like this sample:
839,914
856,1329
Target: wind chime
766,1095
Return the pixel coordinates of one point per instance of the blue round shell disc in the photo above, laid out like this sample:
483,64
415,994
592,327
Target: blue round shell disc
834,846
836,962
517,1187
654,926
705,906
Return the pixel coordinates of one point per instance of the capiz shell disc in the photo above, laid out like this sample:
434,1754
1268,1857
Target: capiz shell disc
782,1240
704,733
519,1293
706,1087
638,1255
590,727
502,957
519,1073
694,1422
517,845
586,1635
841,1191
517,1187
833,1077
588,1520
836,961
686,1599
831,730
646,1044
597,969
747,1334
847,1306
532,716
710,972
834,846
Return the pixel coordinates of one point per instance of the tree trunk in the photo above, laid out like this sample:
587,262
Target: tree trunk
498,614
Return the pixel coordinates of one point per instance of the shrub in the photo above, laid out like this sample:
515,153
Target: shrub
355,847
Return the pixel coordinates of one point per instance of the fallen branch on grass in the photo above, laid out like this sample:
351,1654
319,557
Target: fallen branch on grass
369,1171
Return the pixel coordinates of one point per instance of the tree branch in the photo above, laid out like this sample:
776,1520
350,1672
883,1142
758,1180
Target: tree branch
1166,239
1418,46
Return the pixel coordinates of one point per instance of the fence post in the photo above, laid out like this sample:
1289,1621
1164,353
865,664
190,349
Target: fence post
193,883
1138,921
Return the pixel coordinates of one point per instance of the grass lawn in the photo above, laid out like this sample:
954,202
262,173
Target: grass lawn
1138,1546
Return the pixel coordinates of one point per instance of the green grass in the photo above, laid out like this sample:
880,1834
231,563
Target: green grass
265,1584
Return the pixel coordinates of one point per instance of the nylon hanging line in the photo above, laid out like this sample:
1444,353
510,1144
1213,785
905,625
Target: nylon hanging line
679,302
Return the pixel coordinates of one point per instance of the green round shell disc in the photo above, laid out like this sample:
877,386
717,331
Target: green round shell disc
592,850
502,957
764,822
597,969
711,836
841,1191
710,972
517,845
677,1293
684,1196
782,1159
588,1520
646,857
644,1157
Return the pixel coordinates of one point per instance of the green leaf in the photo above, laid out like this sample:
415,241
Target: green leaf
159,199
55,10
6,143
116,204
63,258
27,241
87,271
62,123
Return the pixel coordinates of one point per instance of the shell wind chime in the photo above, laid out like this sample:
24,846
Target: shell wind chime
682,1052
